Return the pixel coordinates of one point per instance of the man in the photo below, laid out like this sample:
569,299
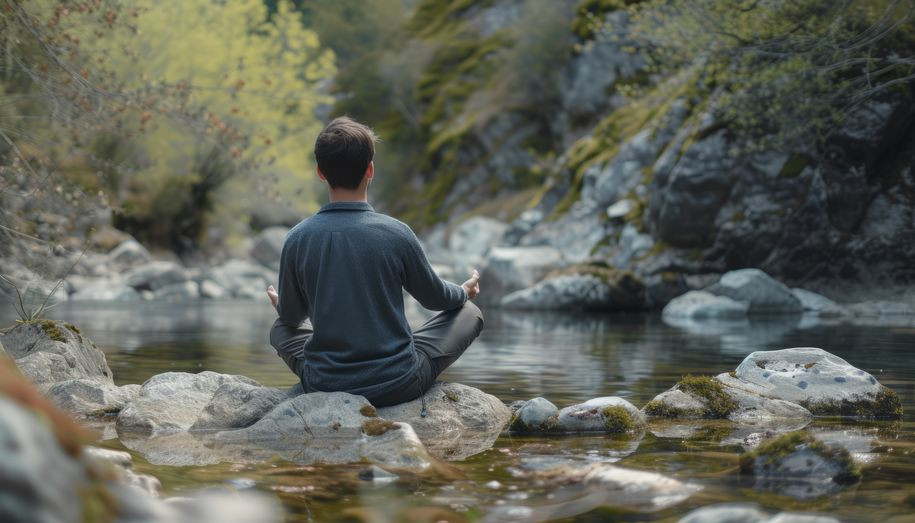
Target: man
344,269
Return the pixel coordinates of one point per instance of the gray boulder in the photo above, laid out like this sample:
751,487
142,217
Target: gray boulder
702,305
762,293
509,269
800,466
268,245
461,421
823,383
49,352
173,401
105,290
535,415
610,290
243,279
90,397
238,404
184,291
607,414
128,254
818,304
473,238
749,513
155,275
122,462
210,290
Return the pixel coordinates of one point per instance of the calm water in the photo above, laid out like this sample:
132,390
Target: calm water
565,358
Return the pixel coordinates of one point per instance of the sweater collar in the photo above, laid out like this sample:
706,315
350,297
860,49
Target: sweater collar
346,206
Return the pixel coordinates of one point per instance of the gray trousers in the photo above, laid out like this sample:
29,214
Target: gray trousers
439,342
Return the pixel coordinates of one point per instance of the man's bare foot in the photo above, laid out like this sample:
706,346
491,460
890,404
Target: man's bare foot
274,297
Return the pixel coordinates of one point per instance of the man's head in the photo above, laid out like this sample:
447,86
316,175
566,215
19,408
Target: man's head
344,150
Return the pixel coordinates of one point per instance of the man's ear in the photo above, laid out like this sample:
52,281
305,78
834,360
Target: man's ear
321,174
370,171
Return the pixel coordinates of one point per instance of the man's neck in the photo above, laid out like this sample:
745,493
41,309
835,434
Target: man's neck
345,195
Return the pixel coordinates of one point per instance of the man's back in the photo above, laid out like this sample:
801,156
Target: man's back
345,268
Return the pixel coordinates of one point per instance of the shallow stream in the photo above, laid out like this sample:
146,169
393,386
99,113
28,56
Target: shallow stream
564,358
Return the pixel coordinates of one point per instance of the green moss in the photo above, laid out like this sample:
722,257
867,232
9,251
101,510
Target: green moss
451,395
771,452
378,426
590,15
368,411
72,328
617,419
717,402
659,409
885,405
433,16
52,330
732,374
794,166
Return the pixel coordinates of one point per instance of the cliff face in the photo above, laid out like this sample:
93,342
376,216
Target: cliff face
661,184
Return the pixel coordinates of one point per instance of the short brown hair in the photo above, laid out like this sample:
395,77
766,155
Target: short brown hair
343,151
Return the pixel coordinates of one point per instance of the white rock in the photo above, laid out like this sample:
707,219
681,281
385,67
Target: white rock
155,275
184,291
759,290
509,269
536,415
128,254
701,305
211,290
817,303
589,416
105,290
473,238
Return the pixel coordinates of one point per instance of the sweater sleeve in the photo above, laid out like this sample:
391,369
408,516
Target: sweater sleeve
424,284
293,305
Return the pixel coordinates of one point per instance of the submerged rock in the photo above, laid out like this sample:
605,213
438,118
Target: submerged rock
173,401
762,293
49,352
701,305
823,383
607,414
749,513
799,465
535,415
461,421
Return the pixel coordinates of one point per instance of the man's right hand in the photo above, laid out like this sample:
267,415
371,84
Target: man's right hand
472,286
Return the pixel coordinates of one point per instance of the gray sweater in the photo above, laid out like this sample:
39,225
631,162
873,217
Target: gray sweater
345,268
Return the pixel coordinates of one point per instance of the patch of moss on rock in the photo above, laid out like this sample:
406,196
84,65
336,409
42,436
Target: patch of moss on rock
52,330
368,411
770,453
662,410
72,328
886,404
378,426
717,402
451,396
617,419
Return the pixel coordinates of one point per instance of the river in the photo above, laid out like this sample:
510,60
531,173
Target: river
566,358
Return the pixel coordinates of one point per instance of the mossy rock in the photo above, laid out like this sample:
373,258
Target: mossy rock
801,456
885,404
693,397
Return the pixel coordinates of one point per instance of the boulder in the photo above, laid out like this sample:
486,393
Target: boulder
800,466
243,279
89,397
604,290
471,239
461,421
122,462
184,291
607,414
49,352
155,275
210,290
173,401
509,269
128,254
105,290
535,415
763,294
749,513
818,304
268,245
823,383
237,404
701,305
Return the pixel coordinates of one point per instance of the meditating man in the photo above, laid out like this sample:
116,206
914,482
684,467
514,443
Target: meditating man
341,324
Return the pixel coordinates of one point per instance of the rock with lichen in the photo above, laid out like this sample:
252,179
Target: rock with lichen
49,351
823,383
85,397
238,404
799,465
535,415
607,414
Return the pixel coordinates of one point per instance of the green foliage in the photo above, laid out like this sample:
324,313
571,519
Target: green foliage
617,419
662,410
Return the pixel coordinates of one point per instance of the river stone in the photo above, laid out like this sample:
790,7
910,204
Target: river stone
601,415
326,427
462,421
800,466
535,415
471,239
701,305
818,304
509,269
210,290
761,292
105,290
128,254
48,352
749,513
122,463
616,290
173,401
155,275
823,383
237,405
184,291
85,397
268,245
